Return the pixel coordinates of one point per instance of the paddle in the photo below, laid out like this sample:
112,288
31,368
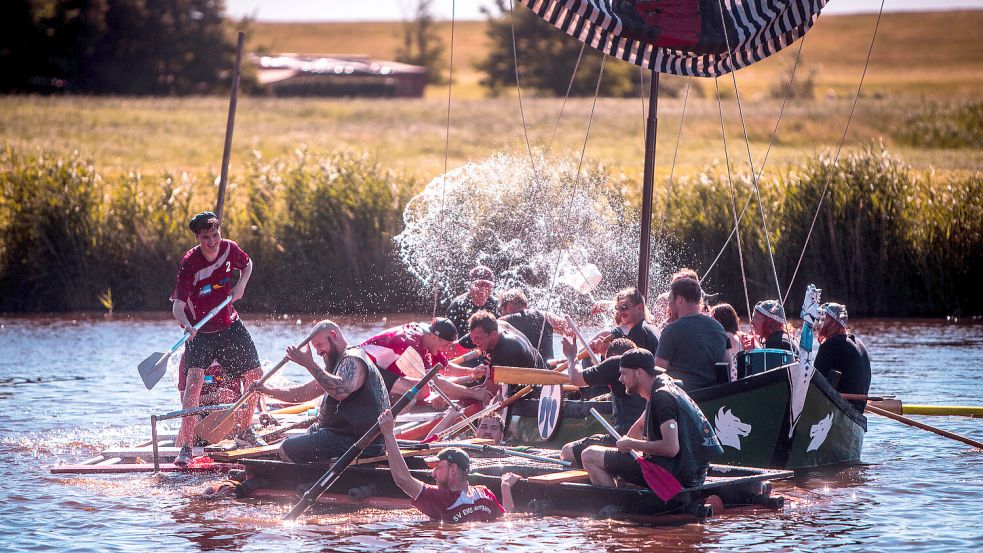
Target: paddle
594,359
152,368
411,364
522,375
660,480
216,426
332,475
923,426
506,451
897,407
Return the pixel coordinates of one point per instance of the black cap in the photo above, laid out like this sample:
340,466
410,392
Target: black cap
455,456
640,358
202,221
444,329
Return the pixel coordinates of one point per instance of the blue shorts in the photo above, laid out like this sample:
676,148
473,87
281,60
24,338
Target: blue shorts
323,444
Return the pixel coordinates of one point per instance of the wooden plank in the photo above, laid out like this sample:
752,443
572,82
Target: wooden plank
111,461
146,452
247,453
560,477
127,468
403,452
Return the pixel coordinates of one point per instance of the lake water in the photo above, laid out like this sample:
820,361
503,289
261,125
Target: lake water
69,389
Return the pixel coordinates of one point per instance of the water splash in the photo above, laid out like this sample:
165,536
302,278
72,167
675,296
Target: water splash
546,231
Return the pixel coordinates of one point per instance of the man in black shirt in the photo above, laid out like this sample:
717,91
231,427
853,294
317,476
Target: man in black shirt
538,326
481,281
502,348
672,432
768,323
843,353
630,313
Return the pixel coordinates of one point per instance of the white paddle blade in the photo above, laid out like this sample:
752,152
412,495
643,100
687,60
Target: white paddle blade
153,368
411,364
582,277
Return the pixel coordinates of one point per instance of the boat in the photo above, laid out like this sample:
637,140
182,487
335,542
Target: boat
752,417
542,490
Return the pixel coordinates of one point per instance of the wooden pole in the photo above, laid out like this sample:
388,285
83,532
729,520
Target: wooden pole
648,177
229,126
923,426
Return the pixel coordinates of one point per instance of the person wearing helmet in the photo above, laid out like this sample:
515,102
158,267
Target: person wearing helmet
842,358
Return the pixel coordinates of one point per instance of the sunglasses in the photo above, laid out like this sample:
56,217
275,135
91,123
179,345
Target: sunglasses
624,306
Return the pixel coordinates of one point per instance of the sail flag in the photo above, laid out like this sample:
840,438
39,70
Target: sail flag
683,37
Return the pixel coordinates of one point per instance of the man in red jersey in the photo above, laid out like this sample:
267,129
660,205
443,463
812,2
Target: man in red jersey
204,279
453,499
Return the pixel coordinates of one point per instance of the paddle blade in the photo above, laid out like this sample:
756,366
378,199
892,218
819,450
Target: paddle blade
216,426
520,375
411,364
659,480
152,368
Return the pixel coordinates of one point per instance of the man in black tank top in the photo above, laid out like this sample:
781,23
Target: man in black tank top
354,396
538,326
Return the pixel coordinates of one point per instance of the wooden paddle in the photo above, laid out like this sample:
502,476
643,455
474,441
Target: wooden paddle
153,368
594,359
332,475
522,375
897,407
411,364
659,480
923,426
506,451
217,425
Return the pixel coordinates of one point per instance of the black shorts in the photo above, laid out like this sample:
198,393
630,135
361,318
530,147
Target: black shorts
231,347
624,466
597,439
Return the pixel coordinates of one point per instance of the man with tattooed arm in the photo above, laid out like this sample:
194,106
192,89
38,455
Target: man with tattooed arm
354,397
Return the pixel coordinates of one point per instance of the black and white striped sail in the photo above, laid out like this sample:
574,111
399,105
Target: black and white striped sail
702,38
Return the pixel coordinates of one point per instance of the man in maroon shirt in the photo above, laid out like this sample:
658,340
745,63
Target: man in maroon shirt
453,499
204,279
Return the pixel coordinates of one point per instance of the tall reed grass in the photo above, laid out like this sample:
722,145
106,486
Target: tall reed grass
319,229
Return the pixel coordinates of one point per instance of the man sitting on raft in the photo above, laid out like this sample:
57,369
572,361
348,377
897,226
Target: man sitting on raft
354,396
672,432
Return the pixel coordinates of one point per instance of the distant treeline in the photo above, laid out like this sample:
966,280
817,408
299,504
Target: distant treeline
320,230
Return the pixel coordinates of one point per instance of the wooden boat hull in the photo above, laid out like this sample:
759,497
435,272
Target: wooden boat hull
370,485
752,417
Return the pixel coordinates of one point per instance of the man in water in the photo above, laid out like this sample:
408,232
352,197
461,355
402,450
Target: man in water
204,279
768,324
491,427
354,396
538,326
842,358
481,281
432,342
627,408
672,432
693,343
452,499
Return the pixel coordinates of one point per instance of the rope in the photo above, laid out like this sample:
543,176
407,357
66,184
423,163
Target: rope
839,148
447,142
733,196
518,90
747,145
563,106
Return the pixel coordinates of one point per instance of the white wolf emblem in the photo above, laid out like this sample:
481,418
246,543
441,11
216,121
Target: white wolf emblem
730,429
819,431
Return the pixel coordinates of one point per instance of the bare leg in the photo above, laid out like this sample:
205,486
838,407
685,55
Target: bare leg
245,415
566,453
191,397
593,458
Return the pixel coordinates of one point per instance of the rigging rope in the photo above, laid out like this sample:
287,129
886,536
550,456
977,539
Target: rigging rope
839,148
563,106
447,142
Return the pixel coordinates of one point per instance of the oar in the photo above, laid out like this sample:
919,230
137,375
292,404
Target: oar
216,426
660,480
923,426
152,368
897,407
411,364
507,451
473,354
521,375
594,359
332,475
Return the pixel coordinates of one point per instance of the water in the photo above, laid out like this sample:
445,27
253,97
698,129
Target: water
915,492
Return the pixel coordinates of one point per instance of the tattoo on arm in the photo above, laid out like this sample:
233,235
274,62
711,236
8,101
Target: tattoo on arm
348,377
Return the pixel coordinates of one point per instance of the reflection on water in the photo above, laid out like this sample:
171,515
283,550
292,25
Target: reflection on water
69,389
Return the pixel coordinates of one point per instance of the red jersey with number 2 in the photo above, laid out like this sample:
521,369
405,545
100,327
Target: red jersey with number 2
203,284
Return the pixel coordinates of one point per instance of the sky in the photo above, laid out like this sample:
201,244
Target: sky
397,10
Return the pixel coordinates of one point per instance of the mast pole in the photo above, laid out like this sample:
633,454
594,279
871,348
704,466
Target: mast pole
229,126
648,177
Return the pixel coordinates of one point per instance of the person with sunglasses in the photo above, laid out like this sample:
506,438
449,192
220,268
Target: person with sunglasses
631,321
842,358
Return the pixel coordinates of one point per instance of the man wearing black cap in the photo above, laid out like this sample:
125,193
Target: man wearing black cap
452,499
672,432
205,279
842,358
481,281
432,342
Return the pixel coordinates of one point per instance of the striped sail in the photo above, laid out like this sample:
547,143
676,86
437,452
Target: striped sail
683,37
